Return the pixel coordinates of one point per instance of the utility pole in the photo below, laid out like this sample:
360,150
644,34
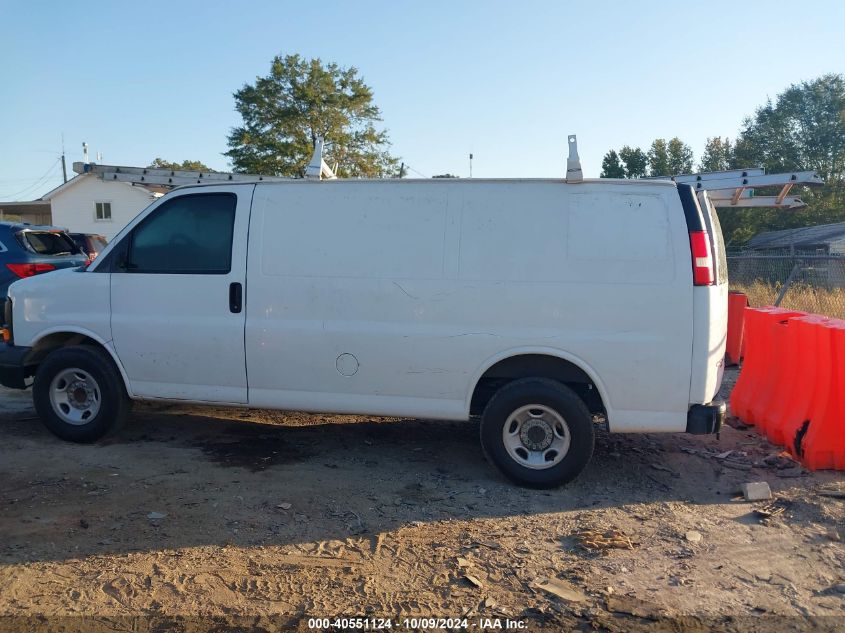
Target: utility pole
470,165
64,166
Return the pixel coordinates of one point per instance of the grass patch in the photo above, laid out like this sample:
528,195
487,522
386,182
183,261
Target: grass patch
827,301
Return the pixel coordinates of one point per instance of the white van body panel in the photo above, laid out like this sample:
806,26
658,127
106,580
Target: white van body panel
391,298
65,300
174,333
708,361
395,297
542,351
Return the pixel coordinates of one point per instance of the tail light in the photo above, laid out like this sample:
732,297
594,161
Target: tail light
28,270
702,258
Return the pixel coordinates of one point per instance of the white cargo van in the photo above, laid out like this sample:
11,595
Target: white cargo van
537,305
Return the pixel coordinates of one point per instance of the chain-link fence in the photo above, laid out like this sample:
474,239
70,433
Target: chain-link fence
810,282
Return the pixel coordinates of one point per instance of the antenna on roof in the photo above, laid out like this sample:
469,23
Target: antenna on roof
64,164
573,163
318,169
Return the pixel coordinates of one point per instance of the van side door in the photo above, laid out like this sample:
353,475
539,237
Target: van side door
177,296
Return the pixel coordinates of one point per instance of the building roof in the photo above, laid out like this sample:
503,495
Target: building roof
62,187
805,237
33,206
79,178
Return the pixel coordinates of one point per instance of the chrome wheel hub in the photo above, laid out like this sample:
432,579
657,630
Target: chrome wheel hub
536,436
75,396
80,395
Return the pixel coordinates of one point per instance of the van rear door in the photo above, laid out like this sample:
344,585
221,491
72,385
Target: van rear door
710,298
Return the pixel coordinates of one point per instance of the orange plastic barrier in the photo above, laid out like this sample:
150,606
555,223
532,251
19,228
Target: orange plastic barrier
792,383
803,386
754,385
742,394
737,302
775,324
823,444
782,375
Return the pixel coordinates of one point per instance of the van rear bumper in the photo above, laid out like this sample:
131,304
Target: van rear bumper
13,367
703,419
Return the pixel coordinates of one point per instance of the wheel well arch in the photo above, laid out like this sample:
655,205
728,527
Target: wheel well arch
54,340
537,365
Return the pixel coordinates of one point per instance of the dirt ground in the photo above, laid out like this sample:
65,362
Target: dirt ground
206,519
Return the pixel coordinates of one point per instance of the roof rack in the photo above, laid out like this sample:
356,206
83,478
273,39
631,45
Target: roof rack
574,173
165,177
735,187
317,169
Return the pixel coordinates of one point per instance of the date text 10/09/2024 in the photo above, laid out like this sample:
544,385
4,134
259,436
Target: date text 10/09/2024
416,624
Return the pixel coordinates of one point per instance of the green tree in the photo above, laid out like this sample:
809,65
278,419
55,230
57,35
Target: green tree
300,100
635,161
611,167
680,157
188,165
718,154
658,159
802,129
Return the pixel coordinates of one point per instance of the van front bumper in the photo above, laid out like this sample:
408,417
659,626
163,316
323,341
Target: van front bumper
13,368
703,419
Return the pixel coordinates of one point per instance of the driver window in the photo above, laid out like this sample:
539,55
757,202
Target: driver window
189,234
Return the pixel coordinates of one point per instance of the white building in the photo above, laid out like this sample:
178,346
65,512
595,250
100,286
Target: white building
102,199
88,204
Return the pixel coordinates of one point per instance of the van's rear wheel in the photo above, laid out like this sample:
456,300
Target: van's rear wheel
79,394
537,432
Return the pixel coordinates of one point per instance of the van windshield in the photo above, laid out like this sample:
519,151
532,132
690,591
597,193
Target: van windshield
51,243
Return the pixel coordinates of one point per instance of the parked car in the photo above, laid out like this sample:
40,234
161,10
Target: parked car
90,243
533,304
27,250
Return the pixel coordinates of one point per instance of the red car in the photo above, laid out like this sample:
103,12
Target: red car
90,243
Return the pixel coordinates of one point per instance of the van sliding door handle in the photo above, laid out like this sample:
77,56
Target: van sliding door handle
236,295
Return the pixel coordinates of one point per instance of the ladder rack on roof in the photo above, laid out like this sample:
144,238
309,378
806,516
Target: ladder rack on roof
735,187
317,169
165,177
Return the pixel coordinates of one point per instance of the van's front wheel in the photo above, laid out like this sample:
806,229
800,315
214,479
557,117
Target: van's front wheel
79,395
538,432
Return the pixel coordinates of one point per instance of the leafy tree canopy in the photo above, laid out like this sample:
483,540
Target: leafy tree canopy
717,156
300,100
802,129
658,158
635,160
189,165
611,167
668,158
680,157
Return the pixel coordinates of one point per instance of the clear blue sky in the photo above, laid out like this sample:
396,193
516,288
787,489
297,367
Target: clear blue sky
505,80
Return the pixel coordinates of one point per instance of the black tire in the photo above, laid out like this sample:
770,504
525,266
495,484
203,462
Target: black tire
114,404
550,394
